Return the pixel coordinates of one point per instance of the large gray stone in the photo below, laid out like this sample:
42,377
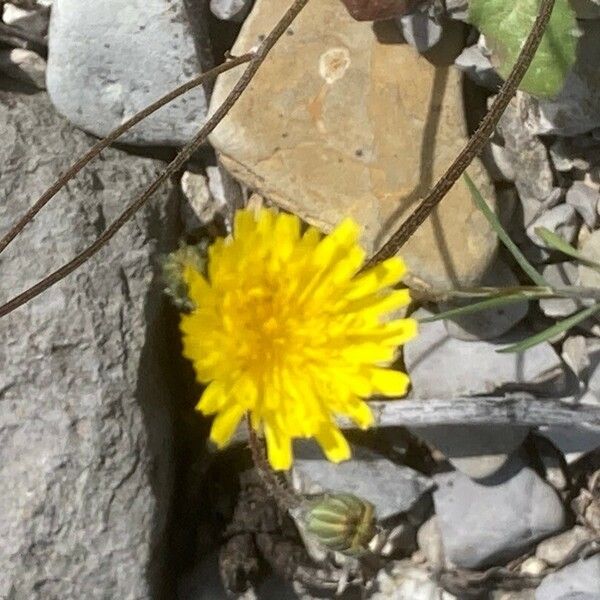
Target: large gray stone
85,459
441,366
108,59
476,450
579,581
491,522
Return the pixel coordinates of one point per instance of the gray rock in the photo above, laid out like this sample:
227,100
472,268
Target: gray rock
404,581
490,523
555,549
429,539
390,487
109,59
457,9
528,155
576,354
494,322
225,190
573,442
560,275
476,450
521,595
420,30
554,198
231,10
33,20
588,276
85,430
579,581
443,367
580,153
592,394
478,67
584,199
576,109
562,220
498,164
24,65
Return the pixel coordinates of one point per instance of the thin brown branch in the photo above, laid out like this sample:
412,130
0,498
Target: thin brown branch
110,138
259,57
475,144
462,580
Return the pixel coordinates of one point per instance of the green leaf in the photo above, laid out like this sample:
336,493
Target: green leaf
479,306
506,25
492,219
556,329
555,242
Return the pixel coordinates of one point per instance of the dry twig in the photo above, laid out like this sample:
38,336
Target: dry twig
253,66
112,137
475,144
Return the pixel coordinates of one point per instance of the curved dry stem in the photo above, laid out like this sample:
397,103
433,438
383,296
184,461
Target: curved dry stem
112,137
253,66
283,494
475,144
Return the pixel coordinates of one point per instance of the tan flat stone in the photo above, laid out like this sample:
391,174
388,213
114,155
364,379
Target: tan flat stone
344,119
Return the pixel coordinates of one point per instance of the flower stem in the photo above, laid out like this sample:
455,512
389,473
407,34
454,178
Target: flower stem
286,498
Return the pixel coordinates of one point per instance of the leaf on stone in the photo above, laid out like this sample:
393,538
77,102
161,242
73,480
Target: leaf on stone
506,25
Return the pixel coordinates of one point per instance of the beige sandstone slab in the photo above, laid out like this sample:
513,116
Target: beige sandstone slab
344,119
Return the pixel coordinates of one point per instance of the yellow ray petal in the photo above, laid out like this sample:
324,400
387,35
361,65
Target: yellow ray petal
225,424
387,273
358,410
279,447
333,443
244,224
213,399
388,382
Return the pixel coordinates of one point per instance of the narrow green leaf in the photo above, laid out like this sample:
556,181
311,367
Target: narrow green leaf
555,242
492,219
556,329
506,25
479,306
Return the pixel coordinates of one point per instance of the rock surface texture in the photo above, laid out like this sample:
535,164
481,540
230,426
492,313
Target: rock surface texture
579,581
108,59
494,521
84,421
344,120
441,366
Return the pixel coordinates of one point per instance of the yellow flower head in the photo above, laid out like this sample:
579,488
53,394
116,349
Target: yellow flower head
284,328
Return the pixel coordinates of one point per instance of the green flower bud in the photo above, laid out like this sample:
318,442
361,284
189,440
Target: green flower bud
342,522
172,267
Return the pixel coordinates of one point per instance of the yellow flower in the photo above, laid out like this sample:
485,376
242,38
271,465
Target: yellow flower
285,329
